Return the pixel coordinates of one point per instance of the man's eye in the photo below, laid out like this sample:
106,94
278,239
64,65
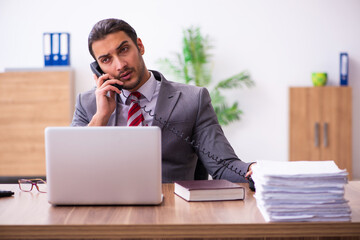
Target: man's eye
124,49
105,60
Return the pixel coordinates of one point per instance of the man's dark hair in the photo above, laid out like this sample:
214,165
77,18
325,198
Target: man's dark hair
107,26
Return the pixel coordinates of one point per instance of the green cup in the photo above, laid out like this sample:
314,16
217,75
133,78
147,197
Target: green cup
319,79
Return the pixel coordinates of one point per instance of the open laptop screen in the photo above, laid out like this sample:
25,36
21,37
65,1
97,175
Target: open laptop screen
103,165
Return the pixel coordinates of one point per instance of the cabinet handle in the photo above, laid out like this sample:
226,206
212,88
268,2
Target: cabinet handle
325,134
316,134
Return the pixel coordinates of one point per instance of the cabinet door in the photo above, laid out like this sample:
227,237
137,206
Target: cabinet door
336,126
29,102
320,125
304,124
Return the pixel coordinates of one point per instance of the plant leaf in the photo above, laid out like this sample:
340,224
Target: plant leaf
226,114
238,80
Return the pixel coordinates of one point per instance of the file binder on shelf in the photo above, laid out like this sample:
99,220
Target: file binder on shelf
56,49
55,53
64,49
344,69
47,49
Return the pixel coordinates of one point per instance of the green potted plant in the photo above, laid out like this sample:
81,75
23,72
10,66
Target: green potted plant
192,66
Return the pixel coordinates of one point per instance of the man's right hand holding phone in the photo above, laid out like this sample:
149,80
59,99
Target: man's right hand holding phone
105,99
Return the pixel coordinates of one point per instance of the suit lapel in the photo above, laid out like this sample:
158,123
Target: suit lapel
167,100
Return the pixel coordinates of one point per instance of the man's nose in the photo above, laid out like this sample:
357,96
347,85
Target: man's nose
120,63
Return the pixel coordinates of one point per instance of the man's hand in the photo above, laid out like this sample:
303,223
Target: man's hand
105,99
250,172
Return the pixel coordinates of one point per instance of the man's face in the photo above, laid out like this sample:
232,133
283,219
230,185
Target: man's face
119,56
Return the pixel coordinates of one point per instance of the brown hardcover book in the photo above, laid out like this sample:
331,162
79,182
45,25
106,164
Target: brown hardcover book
209,190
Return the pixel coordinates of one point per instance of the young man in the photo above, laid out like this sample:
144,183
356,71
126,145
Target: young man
191,135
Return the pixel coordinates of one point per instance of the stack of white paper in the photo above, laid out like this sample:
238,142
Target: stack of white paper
301,191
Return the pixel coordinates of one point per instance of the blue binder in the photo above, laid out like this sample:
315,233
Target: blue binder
344,69
47,49
56,49
64,49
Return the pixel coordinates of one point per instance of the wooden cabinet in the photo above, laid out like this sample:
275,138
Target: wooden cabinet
29,102
320,125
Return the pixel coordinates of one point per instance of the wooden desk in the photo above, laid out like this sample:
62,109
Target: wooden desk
30,216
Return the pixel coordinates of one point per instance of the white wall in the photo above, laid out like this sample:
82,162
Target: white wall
280,42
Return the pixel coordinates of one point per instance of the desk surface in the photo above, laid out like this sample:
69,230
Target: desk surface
29,215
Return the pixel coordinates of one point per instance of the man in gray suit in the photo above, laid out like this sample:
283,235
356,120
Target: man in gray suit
193,143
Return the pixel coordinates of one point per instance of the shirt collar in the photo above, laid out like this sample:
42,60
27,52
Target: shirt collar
147,90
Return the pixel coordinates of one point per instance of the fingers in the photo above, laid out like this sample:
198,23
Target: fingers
100,80
104,90
97,80
248,174
105,83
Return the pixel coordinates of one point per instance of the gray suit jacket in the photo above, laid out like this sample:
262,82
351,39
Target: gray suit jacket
191,135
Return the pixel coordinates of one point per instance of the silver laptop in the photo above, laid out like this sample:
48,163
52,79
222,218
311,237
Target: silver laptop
103,165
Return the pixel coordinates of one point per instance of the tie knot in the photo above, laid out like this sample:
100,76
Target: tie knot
134,96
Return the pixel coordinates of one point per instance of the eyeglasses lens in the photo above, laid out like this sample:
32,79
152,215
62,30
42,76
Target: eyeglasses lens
26,185
42,186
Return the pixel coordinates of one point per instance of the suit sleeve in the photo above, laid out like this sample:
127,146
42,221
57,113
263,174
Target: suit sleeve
80,117
213,149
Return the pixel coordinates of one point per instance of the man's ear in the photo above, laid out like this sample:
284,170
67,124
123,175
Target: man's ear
140,46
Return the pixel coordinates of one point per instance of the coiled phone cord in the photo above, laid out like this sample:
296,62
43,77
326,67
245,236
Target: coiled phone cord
188,140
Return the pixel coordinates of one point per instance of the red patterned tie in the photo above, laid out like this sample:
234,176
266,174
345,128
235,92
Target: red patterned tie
135,117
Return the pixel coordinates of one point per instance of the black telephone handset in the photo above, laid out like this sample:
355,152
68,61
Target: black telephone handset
95,68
